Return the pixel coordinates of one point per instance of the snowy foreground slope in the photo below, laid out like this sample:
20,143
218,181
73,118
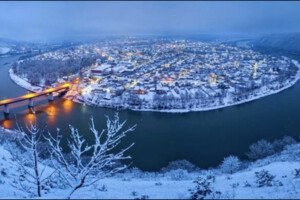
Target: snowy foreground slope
175,184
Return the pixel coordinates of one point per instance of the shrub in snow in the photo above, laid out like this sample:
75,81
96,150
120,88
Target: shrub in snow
264,178
150,175
235,185
3,172
203,189
158,184
177,175
293,152
247,184
143,197
279,145
103,188
260,149
288,140
180,164
297,173
135,172
1,177
212,178
134,193
230,164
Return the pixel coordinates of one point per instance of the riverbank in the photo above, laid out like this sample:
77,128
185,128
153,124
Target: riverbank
23,83
252,98
260,93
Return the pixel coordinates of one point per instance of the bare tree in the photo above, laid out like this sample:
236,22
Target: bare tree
32,171
80,170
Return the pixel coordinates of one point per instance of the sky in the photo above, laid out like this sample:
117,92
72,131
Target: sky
31,21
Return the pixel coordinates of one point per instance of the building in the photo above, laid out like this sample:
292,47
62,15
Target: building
99,70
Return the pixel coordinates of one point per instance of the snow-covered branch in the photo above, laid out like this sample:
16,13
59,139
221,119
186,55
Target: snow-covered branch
31,169
80,166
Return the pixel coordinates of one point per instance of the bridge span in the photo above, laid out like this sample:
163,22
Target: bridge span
60,89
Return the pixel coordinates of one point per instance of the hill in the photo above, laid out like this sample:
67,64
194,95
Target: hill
285,41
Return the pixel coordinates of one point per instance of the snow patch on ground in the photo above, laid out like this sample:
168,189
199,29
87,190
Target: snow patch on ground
4,50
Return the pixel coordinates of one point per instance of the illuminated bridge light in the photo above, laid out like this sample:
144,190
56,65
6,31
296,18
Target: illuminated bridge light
33,95
5,101
49,90
65,85
29,95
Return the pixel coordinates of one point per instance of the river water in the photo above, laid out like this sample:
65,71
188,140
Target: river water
203,138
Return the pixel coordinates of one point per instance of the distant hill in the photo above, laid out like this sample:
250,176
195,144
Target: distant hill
285,41
7,42
5,45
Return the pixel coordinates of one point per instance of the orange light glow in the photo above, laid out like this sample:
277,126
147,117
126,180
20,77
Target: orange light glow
51,110
170,80
67,105
76,80
7,124
29,118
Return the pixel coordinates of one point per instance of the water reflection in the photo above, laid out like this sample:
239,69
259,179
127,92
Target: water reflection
67,105
7,123
29,118
51,110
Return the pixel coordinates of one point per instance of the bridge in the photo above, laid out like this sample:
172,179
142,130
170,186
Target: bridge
60,89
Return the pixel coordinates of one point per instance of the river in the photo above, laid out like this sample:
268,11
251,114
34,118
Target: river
203,138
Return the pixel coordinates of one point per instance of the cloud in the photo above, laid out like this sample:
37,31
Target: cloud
50,20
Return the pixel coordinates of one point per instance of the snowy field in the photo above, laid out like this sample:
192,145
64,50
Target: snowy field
172,184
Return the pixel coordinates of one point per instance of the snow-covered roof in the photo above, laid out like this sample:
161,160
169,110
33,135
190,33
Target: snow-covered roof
102,67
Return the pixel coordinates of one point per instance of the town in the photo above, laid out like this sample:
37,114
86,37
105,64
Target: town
166,75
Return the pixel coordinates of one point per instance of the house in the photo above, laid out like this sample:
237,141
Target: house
99,70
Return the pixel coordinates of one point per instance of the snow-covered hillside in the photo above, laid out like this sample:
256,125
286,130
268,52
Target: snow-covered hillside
173,184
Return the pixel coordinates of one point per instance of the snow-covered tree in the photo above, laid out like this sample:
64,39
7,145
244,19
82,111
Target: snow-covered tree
180,164
279,145
31,169
230,164
261,149
80,170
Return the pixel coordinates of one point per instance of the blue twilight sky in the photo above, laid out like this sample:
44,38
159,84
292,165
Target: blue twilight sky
51,20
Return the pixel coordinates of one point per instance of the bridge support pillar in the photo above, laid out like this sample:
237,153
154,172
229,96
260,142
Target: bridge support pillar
30,104
51,97
6,110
